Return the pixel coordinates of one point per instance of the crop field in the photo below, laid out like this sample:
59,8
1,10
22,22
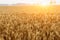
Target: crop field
25,26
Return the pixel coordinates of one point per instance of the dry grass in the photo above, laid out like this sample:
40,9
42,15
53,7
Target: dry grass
23,26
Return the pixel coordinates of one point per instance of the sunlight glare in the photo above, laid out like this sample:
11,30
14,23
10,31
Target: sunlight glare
44,2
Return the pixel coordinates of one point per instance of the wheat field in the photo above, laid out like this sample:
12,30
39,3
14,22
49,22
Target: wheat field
25,26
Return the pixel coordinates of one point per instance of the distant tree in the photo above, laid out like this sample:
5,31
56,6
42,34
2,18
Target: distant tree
52,1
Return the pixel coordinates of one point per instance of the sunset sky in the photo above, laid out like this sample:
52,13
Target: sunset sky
25,1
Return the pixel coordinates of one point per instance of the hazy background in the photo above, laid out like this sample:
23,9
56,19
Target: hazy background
28,8
25,1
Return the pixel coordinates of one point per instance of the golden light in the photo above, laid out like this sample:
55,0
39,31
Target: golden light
45,2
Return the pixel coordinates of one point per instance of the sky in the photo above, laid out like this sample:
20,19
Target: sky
24,1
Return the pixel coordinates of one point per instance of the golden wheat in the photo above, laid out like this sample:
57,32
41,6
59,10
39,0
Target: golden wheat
25,26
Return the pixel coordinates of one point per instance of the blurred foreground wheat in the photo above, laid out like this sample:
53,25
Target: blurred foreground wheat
23,26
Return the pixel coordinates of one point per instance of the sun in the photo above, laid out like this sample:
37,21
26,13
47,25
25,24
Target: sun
44,2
